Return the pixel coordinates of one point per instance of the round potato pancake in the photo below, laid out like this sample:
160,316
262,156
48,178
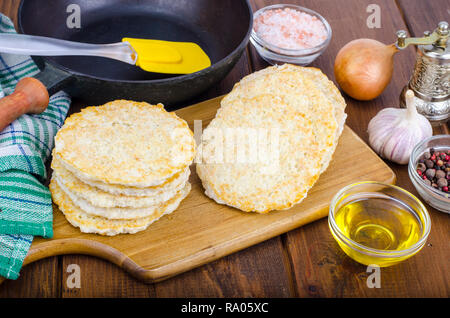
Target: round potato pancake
125,143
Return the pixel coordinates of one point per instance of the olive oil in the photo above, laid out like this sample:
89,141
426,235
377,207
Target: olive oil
379,224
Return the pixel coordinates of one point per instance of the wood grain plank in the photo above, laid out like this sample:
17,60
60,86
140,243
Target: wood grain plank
321,268
40,279
422,15
253,273
99,278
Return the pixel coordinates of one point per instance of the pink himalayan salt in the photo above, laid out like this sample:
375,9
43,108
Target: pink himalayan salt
290,29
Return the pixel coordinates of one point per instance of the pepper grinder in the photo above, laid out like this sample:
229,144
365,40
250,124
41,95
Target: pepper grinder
430,80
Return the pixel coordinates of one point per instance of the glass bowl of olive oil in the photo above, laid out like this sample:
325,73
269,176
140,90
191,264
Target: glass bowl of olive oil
378,224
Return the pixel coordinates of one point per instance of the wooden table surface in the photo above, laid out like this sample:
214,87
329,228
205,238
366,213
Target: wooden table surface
305,262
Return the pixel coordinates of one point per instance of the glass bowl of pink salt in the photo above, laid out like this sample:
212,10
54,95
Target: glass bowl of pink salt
285,33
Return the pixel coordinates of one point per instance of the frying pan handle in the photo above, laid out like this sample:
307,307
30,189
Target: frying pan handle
53,78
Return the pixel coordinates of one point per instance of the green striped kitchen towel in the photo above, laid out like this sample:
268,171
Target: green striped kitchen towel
25,145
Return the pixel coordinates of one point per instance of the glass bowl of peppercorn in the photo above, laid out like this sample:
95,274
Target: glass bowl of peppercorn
429,171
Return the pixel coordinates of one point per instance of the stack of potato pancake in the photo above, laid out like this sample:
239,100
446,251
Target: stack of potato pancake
119,167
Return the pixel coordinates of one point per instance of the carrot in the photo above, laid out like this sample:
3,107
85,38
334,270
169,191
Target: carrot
29,97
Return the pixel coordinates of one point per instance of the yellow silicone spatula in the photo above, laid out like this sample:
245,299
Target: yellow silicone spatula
151,55
169,57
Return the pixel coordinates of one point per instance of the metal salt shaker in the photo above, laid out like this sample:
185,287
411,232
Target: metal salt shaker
430,80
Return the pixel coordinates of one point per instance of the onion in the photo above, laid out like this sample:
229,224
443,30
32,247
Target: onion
363,68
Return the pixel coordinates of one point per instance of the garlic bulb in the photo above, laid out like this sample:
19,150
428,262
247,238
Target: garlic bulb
394,132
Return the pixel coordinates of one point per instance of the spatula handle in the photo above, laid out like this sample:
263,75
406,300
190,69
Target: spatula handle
42,46
30,96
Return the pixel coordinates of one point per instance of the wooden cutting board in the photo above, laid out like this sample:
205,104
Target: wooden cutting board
200,230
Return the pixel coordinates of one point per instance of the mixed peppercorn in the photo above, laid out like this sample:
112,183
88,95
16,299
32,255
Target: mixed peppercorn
434,169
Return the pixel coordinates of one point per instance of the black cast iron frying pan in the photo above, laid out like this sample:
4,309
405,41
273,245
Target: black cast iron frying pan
220,27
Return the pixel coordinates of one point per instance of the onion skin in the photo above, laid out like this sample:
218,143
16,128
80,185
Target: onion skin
363,68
